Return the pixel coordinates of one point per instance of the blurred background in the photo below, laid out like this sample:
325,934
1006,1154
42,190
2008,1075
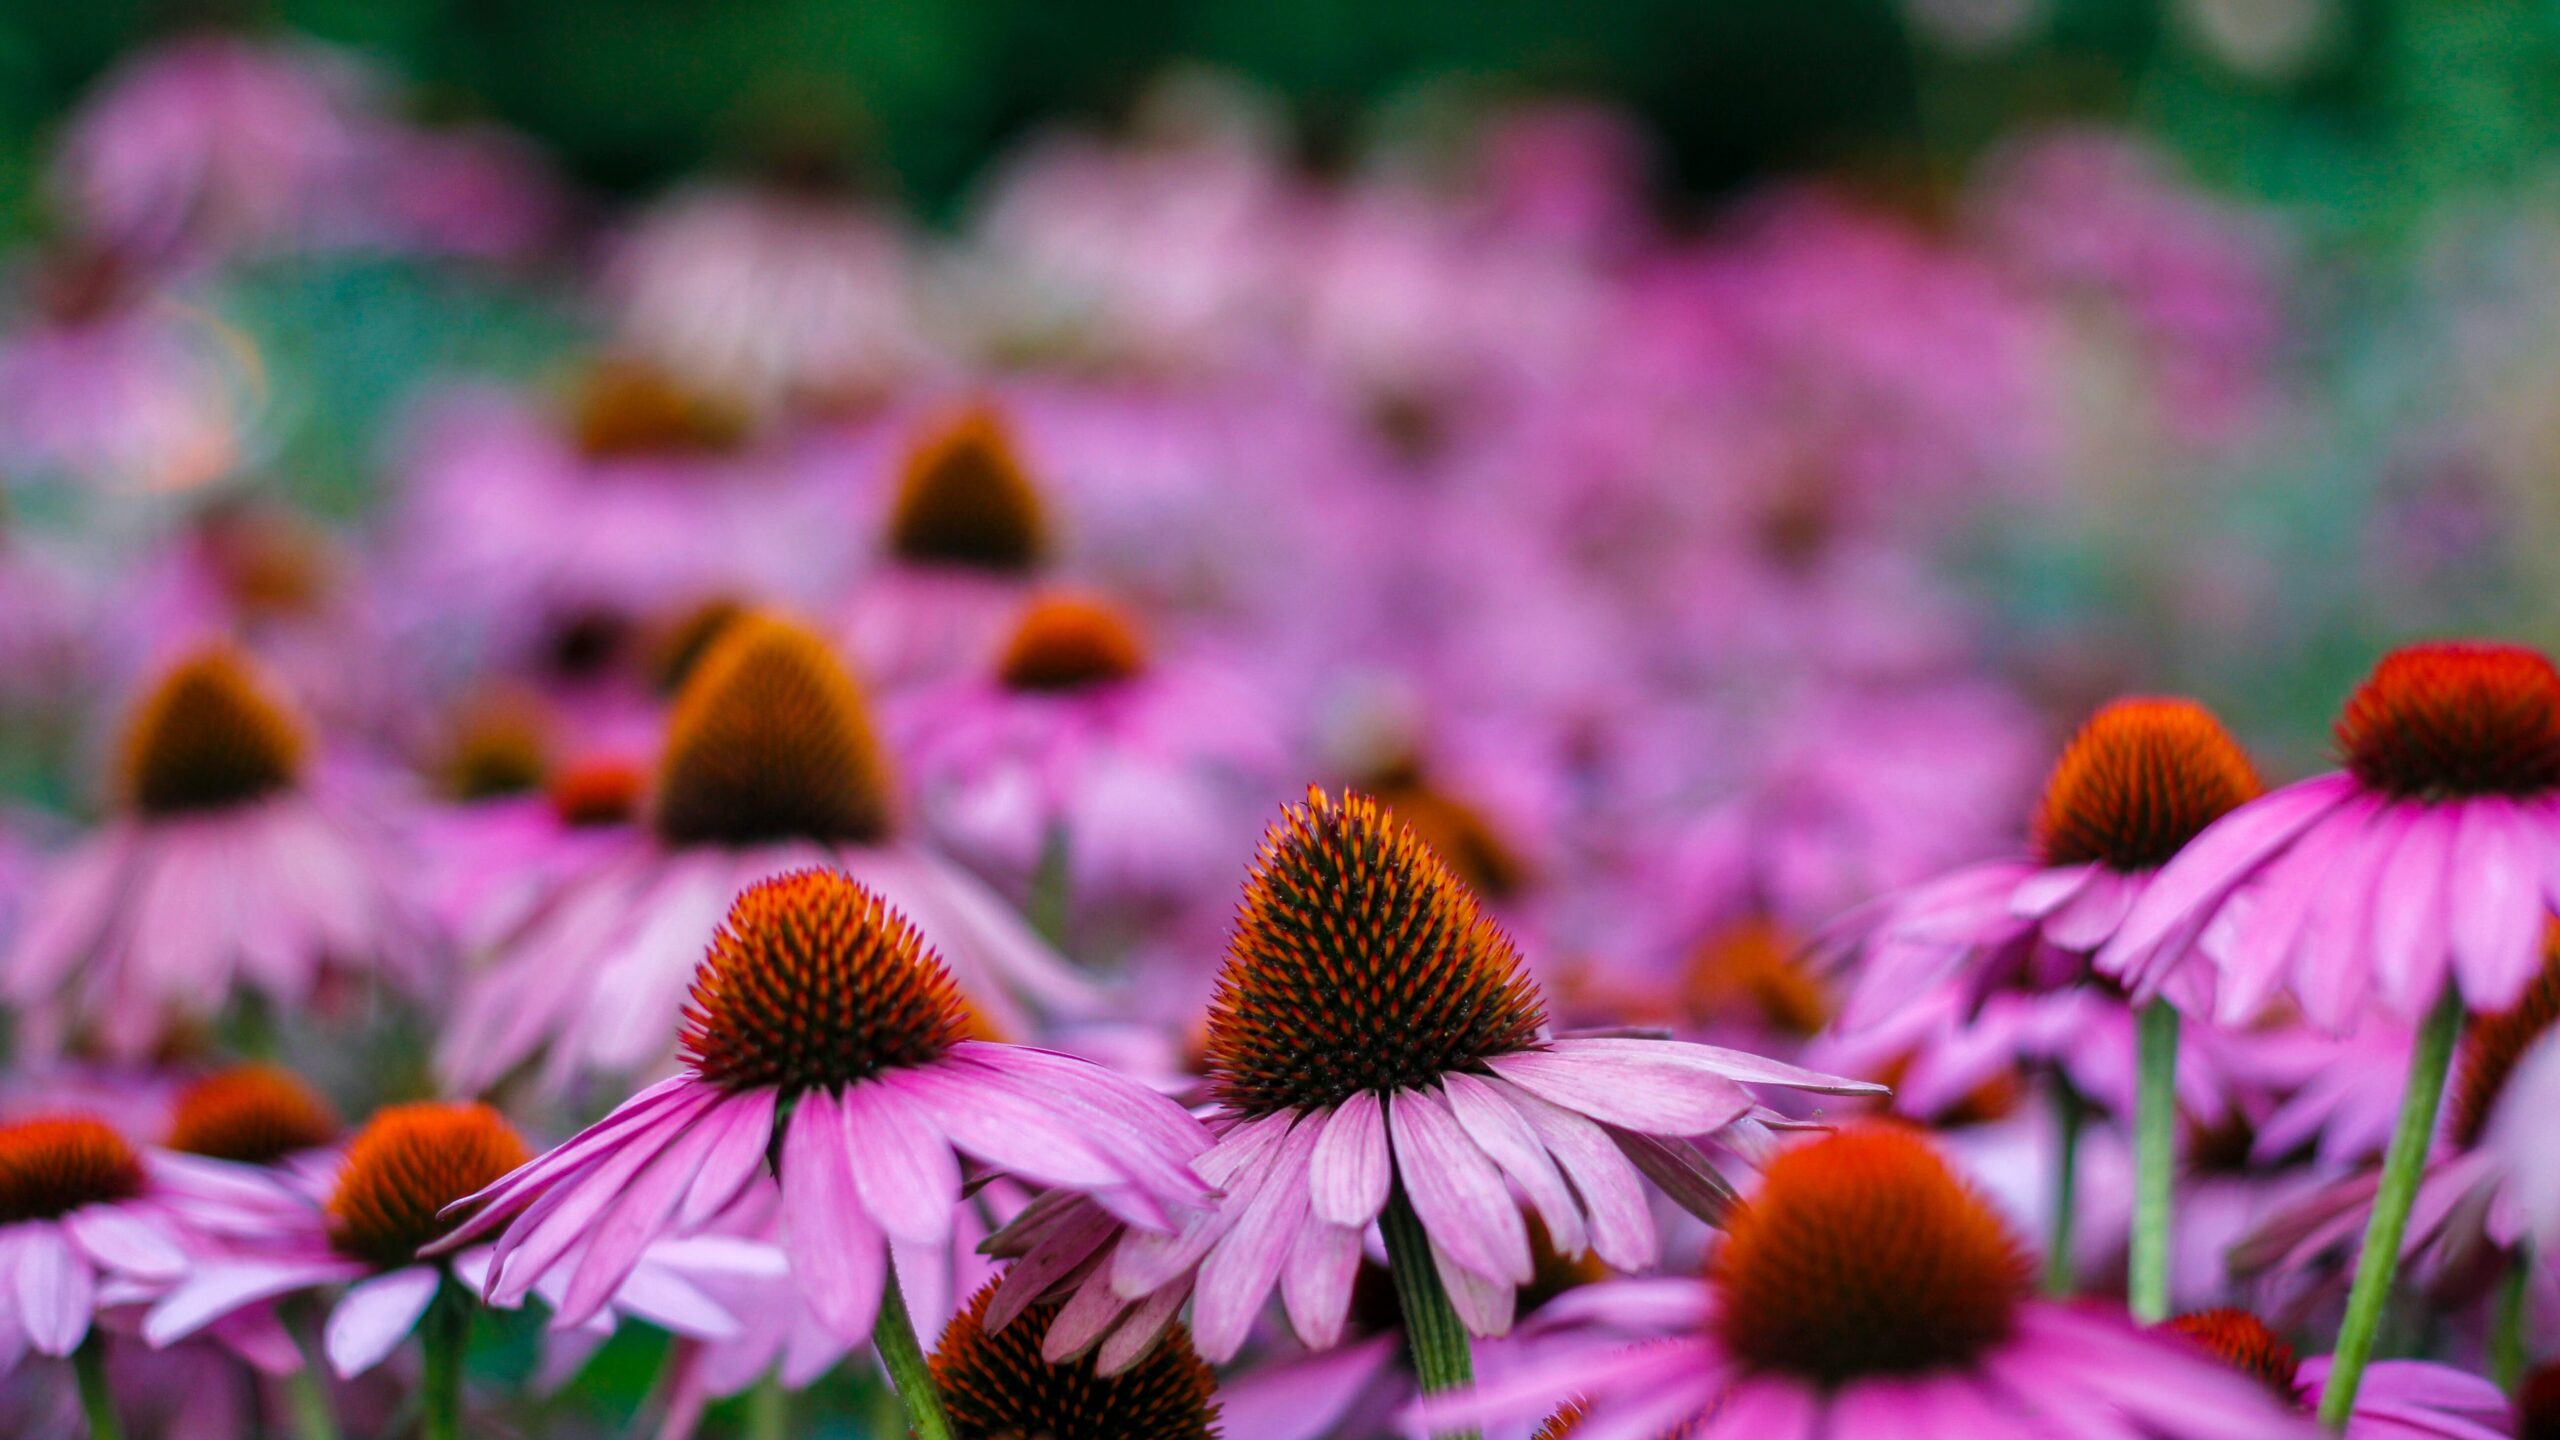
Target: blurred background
1697,459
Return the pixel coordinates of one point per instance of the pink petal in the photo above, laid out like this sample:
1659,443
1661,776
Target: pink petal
908,1179
2494,893
735,1157
2408,914
1507,1140
1652,1093
1613,1198
1456,1191
1484,1304
1244,1264
837,1256
639,1216
122,1241
55,1289
1349,1174
375,1315
1315,1283
221,1288
2219,860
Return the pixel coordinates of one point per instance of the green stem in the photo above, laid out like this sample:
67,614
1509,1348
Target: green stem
2507,1357
2402,1165
2155,1158
1432,1331
2069,1113
306,1392
769,1409
1052,889
447,1336
89,1362
893,1334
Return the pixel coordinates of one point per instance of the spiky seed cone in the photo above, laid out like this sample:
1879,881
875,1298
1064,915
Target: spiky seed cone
966,500
209,736
1358,962
814,981
2443,722
2243,1342
1863,1255
771,740
54,1165
1071,642
254,1114
998,1388
2139,781
405,1166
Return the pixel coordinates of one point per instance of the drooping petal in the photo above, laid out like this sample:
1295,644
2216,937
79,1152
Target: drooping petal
374,1316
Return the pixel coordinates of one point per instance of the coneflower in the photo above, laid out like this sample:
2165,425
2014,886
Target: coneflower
968,532
828,1054
2138,783
250,1115
1378,1056
2417,878
1089,761
1863,1290
80,1214
218,796
770,763
371,1225
1000,1387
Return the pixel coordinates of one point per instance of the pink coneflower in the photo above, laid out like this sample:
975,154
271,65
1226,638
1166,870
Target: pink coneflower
2138,783
2401,1399
2419,878
769,764
2429,861
229,864
367,1222
1084,739
1377,1057
826,1053
1865,1290
80,1216
967,532
2141,779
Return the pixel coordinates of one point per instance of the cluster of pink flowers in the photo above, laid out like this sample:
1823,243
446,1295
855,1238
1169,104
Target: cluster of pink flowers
1225,803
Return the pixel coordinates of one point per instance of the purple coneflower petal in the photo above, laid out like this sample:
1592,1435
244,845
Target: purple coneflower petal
1138,1332
1506,1139
2408,914
1316,1280
838,1257
219,1288
908,1179
2494,891
119,1240
1485,1304
734,1158
1613,1198
2219,861
1644,1091
55,1289
1241,1268
623,1231
1350,1172
1458,1193
375,1315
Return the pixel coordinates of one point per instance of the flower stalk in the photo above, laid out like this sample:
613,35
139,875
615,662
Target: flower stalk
893,1334
1433,1332
2155,1133
447,1336
97,1400
2402,1164
2070,1114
